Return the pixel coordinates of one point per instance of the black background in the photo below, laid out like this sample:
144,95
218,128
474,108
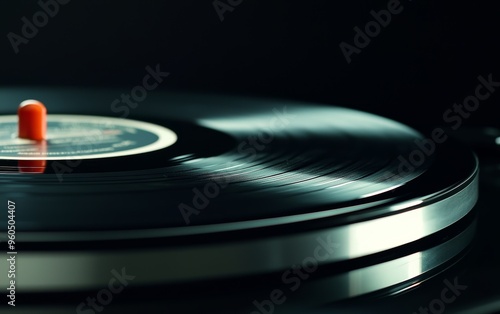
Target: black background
424,61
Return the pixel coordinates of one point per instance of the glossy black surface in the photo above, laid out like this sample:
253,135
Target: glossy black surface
318,158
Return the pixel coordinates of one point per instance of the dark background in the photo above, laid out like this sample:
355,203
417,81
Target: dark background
427,58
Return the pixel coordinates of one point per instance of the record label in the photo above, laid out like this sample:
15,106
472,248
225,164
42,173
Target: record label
84,137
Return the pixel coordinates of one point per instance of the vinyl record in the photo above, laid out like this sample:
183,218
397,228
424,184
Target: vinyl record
248,186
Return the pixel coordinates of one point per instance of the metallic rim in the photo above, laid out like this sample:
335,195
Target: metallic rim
161,265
